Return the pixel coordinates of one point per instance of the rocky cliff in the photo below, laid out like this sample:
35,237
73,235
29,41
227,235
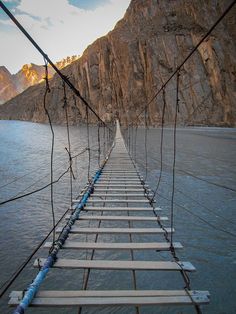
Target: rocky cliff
29,75
120,72
7,85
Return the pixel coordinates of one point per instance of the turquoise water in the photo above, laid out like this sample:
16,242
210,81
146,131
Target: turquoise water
202,153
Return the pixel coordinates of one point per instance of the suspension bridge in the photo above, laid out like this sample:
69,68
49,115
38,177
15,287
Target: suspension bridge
116,211
117,194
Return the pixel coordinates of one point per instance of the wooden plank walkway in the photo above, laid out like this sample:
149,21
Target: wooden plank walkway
120,297
91,230
121,194
117,246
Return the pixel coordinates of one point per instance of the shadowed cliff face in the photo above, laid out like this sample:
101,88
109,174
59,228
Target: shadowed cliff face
119,73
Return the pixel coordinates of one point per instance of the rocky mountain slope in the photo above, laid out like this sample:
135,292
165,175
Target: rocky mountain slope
29,75
120,72
7,85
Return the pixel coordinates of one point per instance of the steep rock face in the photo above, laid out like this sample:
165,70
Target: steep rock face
119,73
29,75
7,85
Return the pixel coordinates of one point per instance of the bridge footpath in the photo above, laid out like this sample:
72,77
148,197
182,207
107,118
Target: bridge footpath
119,198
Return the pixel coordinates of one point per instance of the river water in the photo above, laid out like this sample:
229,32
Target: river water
203,214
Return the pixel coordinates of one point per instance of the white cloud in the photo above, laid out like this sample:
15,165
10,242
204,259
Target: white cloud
60,29
5,22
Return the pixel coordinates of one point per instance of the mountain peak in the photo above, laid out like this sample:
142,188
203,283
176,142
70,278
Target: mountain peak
3,69
30,74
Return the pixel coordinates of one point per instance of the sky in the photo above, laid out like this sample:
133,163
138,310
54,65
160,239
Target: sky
61,28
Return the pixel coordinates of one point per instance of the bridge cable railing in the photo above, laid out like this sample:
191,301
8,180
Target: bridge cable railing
130,138
107,139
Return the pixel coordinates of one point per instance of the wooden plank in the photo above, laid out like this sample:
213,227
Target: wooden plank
107,193
109,293
110,164
105,171
120,190
119,176
139,184
119,164
124,184
113,297
120,218
123,179
116,159
160,246
112,301
122,172
90,200
112,185
118,180
119,172
93,208
120,168
119,161
118,265
95,194
79,230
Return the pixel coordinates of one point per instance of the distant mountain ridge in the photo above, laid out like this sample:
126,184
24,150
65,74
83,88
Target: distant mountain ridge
29,75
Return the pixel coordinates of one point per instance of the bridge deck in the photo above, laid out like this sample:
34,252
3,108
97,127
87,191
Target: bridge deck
120,192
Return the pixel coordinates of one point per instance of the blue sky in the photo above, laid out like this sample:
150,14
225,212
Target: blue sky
61,27
89,4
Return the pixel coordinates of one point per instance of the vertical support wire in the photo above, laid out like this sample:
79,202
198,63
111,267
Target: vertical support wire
107,140
132,137
174,159
65,107
104,141
88,143
47,90
99,145
135,142
145,143
129,137
161,144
